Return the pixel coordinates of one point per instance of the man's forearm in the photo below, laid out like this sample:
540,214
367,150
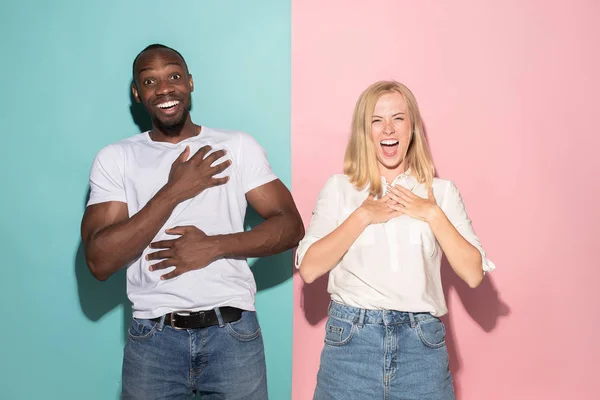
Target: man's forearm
275,235
111,248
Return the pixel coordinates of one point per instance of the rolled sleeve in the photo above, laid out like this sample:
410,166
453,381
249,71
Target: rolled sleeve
324,218
457,214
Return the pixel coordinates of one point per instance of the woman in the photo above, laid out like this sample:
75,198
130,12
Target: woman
381,228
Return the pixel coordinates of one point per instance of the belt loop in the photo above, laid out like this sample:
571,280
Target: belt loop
413,323
161,323
331,305
361,317
219,317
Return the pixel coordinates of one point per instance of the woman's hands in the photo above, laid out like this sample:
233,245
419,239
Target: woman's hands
381,210
412,205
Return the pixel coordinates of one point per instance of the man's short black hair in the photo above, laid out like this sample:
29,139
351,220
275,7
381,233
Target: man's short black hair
153,47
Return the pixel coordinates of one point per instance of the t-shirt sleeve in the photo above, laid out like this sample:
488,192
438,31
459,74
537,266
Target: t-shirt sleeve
107,177
254,166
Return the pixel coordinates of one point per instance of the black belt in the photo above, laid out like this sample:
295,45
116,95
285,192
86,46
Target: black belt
200,319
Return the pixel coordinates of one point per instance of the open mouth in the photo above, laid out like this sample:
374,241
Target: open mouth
390,147
168,106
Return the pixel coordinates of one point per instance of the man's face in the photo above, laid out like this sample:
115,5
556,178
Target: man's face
164,87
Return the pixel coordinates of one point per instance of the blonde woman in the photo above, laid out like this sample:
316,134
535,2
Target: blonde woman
380,230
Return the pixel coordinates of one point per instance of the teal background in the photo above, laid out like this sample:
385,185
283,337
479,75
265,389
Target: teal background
65,75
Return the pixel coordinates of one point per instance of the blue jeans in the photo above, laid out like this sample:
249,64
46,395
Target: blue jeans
371,354
224,361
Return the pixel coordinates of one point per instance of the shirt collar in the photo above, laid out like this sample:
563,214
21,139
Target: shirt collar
405,179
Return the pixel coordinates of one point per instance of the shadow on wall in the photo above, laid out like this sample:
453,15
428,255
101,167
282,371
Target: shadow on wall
138,113
483,304
99,298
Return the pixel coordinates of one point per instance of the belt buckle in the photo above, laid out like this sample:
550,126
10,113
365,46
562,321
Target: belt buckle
176,312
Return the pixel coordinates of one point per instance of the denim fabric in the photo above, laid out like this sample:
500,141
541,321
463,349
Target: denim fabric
390,355
221,362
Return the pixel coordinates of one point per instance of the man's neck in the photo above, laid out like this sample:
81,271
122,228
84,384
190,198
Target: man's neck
188,130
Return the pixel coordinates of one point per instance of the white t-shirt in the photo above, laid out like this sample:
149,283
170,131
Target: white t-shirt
134,169
394,265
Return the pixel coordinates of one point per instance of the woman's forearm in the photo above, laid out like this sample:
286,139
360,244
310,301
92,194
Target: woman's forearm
464,258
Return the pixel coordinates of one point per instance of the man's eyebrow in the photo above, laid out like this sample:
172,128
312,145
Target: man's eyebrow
170,63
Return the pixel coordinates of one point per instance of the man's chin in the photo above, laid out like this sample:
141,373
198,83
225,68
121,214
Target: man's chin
171,127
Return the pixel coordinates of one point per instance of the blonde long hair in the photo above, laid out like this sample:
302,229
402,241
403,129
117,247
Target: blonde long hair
360,161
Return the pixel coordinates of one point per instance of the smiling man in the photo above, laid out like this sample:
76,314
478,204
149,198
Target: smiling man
169,205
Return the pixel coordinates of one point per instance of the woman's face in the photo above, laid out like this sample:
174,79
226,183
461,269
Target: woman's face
390,131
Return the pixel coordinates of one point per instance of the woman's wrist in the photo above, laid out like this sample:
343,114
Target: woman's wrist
434,215
362,217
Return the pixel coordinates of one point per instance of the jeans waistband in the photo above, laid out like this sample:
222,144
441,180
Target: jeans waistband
363,316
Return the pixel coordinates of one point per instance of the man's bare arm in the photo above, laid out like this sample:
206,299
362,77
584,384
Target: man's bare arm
281,230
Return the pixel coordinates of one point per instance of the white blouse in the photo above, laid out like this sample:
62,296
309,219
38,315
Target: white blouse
393,265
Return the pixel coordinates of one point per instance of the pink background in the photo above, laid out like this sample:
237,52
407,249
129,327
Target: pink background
509,93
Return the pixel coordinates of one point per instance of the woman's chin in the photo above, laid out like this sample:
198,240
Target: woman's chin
388,163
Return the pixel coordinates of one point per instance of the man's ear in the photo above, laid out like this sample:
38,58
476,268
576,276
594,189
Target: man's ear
134,91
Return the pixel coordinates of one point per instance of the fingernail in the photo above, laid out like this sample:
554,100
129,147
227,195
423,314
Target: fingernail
151,269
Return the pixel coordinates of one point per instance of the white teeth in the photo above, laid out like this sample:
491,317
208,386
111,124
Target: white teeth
389,142
168,104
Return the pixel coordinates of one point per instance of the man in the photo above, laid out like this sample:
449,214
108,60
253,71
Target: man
169,204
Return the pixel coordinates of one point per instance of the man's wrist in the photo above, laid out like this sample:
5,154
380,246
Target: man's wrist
221,245
168,195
